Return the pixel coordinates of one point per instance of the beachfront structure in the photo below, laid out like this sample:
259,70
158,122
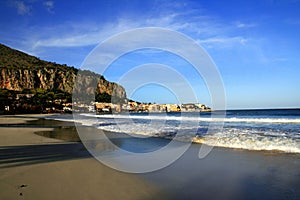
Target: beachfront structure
172,108
107,107
132,106
190,107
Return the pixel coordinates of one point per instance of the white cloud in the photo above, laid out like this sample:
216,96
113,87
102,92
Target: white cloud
245,25
204,29
22,8
223,42
49,6
84,34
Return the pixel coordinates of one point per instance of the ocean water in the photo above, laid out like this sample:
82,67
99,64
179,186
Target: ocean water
267,130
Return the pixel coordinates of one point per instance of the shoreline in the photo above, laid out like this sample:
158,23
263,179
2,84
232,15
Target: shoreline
234,173
73,137
196,140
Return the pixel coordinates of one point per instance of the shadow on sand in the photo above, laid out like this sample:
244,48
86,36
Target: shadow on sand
12,156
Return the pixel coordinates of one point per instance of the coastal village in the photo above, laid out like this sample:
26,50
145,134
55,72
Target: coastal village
23,103
133,106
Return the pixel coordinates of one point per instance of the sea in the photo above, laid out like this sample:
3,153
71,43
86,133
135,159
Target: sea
258,130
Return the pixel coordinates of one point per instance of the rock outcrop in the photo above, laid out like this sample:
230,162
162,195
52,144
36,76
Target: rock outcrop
19,71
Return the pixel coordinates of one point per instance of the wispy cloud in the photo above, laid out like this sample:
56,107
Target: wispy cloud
83,34
223,42
245,25
27,7
49,6
22,8
205,30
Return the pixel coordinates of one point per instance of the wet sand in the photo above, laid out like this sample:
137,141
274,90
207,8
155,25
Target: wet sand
231,174
51,168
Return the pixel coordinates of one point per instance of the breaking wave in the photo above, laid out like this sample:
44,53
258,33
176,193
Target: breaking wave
268,133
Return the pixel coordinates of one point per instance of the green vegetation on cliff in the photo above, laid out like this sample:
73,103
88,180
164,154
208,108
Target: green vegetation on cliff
47,83
11,59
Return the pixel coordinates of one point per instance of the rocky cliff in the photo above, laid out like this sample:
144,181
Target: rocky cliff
19,71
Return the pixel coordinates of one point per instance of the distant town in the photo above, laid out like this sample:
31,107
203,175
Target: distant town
133,106
59,102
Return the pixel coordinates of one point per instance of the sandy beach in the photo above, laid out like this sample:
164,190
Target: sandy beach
37,167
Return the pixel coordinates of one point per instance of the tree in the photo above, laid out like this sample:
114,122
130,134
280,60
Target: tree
103,97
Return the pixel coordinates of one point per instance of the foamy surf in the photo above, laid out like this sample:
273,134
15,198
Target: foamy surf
251,142
241,138
262,132
199,118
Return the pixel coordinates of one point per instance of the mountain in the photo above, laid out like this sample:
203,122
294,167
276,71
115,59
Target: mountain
20,71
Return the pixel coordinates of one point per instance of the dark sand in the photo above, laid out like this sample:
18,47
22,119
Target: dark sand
231,174
56,169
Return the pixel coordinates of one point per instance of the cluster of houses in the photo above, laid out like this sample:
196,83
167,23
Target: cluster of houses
62,106
132,106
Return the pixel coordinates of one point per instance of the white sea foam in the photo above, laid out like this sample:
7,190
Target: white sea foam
230,137
203,119
250,138
141,129
84,122
248,142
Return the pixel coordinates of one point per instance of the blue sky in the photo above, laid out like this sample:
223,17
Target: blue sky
254,44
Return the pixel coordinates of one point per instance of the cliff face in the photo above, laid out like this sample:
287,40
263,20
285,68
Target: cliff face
43,78
19,71
87,82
